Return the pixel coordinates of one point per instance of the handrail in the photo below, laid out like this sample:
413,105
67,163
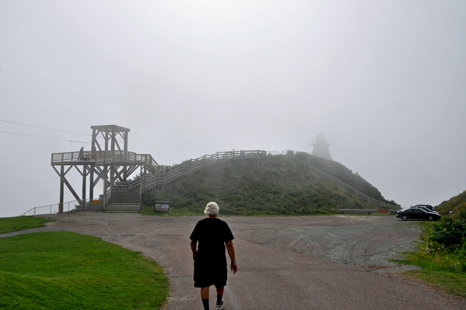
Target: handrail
52,209
104,157
166,174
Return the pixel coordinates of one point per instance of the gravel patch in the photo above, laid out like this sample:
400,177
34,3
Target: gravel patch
363,242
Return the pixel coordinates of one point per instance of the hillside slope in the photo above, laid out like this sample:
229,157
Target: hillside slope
282,185
343,174
455,204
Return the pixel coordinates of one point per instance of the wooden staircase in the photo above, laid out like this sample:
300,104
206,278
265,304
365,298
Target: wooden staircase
124,202
125,196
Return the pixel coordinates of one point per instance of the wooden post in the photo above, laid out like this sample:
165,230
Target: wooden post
62,188
93,155
105,180
105,168
126,155
112,147
84,186
91,184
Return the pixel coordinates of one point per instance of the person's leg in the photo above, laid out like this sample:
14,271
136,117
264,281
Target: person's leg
220,282
205,297
220,291
205,292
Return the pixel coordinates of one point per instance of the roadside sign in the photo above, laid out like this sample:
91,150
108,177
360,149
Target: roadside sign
162,206
382,211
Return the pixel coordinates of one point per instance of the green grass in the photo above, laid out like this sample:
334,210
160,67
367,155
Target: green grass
63,270
449,282
454,204
439,269
9,224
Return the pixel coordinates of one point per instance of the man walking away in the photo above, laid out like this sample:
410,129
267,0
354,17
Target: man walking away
210,263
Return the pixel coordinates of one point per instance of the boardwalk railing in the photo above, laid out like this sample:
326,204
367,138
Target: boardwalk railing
169,174
53,208
73,205
106,157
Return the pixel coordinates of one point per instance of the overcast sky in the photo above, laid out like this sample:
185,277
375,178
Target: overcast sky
384,81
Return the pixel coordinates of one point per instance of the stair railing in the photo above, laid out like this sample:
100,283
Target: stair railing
168,174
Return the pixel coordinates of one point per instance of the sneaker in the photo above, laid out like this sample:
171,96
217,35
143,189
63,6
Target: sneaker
219,307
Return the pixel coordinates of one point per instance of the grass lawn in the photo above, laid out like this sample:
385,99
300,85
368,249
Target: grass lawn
9,224
447,281
437,269
63,270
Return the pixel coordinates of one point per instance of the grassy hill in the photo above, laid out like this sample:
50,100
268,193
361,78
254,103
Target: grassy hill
283,185
455,204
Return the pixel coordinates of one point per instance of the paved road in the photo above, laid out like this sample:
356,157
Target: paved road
324,262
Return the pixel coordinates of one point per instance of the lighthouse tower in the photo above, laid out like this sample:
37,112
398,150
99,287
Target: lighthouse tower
321,148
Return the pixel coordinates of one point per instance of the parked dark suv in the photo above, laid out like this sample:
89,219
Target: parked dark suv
418,213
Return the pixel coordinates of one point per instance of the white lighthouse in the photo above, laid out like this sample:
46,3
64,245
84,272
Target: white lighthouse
321,148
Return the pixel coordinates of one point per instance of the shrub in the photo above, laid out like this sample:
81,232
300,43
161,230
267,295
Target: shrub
448,236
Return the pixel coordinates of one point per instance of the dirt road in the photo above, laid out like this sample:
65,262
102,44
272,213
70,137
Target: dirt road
322,262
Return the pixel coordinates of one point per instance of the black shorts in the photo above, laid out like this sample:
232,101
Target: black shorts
207,274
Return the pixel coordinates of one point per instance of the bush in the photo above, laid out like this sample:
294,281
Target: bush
448,236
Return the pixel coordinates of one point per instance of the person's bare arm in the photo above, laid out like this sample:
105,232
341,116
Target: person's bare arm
193,248
231,253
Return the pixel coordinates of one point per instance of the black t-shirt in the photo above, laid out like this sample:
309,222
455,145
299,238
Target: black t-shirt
212,234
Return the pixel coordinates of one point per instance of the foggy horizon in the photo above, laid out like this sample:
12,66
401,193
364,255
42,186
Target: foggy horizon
383,82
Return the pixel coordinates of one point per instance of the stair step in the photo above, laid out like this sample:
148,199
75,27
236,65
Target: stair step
123,207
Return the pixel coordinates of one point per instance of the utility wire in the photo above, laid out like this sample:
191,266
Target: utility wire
76,133
59,130
72,141
20,134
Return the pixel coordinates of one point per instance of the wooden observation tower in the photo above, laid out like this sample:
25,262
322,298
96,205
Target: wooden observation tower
108,160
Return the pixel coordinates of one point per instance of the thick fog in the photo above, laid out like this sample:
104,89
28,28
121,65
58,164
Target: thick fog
384,81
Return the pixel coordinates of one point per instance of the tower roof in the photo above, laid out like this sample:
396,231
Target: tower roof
115,128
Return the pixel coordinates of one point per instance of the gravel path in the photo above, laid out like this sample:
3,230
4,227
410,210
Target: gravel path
320,262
